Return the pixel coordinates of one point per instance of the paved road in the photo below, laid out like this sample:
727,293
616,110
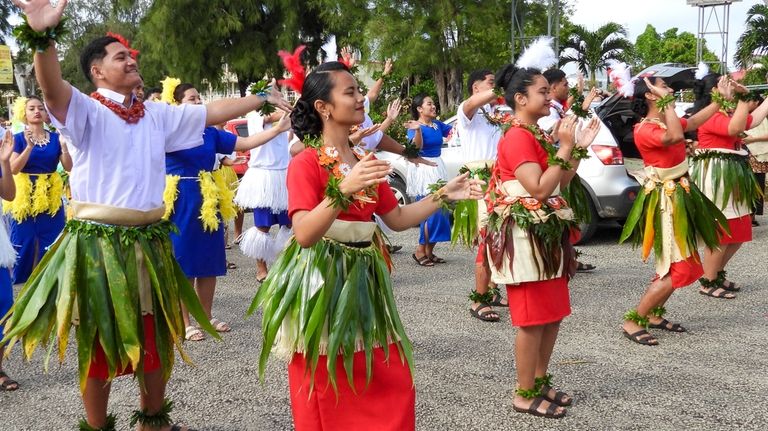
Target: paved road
712,378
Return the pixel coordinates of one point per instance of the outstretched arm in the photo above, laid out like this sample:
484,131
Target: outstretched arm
224,110
373,93
261,138
57,92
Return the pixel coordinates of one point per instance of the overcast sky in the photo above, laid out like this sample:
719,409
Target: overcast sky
662,14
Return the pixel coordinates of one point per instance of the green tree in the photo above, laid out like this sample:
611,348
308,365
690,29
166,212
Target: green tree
754,41
591,50
195,39
669,47
6,10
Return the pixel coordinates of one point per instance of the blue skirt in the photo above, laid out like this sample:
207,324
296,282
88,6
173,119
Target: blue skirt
438,226
6,293
200,253
266,217
31,238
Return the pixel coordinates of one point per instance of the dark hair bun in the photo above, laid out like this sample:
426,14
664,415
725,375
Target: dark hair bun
305,120
504,76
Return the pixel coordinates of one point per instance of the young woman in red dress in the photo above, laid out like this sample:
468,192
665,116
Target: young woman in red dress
665,216
327,301
721,169
528,232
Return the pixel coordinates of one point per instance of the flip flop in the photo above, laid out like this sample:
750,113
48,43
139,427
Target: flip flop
423,261
220,326
193,333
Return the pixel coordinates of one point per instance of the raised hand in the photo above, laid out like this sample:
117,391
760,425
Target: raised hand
462,187
724,87
412,125
357,136
284,123
367,172
586,135
393,110
656,90
566,131
6,148
275,98
346,54
387,67
40,13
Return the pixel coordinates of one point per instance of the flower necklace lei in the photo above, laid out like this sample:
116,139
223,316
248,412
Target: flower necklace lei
130,115
548,145
329,158
502,120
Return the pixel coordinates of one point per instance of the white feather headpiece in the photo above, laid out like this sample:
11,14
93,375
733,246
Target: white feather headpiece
538,55
621,77
330,49
702,70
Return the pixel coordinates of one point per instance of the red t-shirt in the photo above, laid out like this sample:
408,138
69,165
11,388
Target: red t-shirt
306,189
518,146
648,141
714,132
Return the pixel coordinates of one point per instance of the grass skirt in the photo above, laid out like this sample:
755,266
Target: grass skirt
103,279
333,300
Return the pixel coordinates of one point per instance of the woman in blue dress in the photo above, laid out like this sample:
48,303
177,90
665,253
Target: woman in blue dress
198,200
427,134
36,213
7,253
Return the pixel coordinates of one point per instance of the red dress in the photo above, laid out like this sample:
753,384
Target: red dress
535,302
388,402
713,134
648,137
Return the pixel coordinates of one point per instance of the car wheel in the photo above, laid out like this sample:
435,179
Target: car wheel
398,187
589,229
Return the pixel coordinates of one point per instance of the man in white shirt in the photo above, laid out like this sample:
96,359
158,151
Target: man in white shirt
479,143
115,253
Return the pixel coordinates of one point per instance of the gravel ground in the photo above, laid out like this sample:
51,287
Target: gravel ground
712,378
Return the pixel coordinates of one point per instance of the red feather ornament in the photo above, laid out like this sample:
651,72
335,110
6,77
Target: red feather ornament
134,53
293,65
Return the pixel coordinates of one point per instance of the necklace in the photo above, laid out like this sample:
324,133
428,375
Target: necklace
655,121
431,125
130,115
40,142
330,159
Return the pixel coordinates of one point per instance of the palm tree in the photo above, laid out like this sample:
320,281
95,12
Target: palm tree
754,41
6,10
592,50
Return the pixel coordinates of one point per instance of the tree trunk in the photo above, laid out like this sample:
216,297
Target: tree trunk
593,77
448,86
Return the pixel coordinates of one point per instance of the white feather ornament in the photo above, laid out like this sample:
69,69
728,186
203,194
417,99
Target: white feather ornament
330,49
621,77
702,70
538,55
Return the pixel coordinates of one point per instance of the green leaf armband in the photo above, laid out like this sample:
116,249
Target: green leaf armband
333,192
663,103
38,40
553,160
261,89
725,104
578,100
410,150
579,153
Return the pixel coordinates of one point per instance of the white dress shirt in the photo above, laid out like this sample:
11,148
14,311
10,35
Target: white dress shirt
121,164
556,113
479,138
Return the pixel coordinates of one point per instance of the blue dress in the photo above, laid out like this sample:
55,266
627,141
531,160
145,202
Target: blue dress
6,286
199,253
437,227
32,237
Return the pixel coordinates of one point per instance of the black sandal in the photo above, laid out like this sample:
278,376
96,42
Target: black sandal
731,287
496,301
177,427
710,291
485,316
559,397
423,260
638,338
436,259
8,385
533,409
584,267
668,326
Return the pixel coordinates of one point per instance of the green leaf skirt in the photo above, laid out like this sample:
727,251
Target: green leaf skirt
576,195
102,279
330,299
731,177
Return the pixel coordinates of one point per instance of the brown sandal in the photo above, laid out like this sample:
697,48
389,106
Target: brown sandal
533,409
